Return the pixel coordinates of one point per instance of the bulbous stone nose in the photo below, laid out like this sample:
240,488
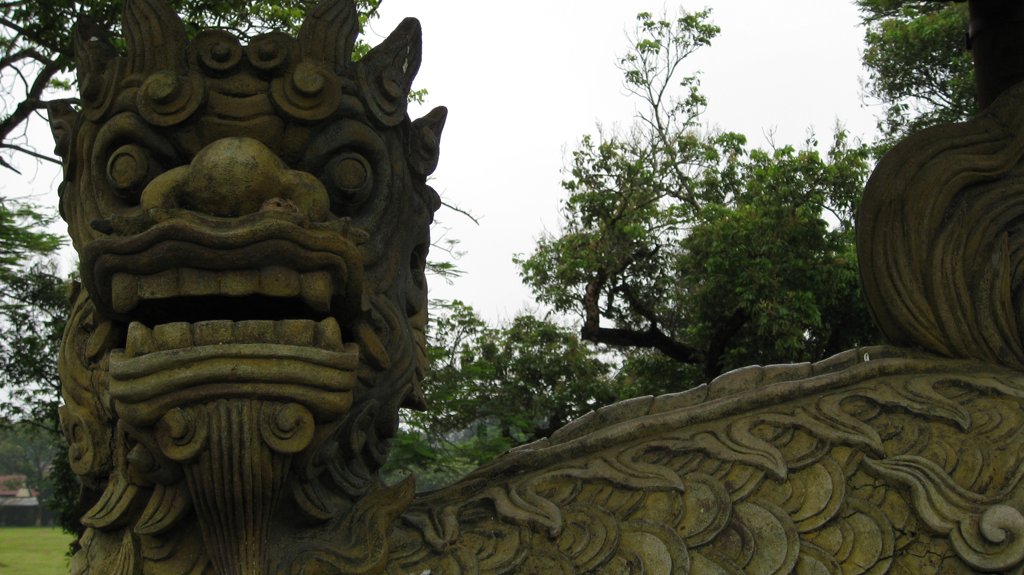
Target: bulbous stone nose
233,177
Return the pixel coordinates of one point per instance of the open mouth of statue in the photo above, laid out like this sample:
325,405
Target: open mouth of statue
250,310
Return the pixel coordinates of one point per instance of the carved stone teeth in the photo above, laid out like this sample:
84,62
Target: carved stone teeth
239,282
124,292
139,341
159,285
328,335
295,332
316,289
254,331
196,282
175,335
279,281
325,334
214,332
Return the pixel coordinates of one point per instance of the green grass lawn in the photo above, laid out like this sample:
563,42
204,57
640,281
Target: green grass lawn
33,551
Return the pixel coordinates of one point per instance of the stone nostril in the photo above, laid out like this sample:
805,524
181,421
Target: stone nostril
279,205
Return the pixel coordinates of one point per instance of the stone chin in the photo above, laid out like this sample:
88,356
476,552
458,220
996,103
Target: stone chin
252,222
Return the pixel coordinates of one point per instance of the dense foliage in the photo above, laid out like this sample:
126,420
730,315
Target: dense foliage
32,311
683,249
919,69
683,240
492,388
33,308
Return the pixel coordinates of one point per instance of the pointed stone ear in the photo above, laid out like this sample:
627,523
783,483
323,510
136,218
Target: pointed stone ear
63,117
425,145
387,71
329,32
155,37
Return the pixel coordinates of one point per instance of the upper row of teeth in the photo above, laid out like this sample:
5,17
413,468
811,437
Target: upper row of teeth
142,339
315,288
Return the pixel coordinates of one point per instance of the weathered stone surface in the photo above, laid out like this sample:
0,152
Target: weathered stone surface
253,226
939,237
253,222
890,462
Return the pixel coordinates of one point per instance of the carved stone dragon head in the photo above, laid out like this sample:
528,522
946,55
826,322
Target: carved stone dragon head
252,221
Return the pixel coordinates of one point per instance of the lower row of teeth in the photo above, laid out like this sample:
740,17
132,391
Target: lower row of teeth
325,334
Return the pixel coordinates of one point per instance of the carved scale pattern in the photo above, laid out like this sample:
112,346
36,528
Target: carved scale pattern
875,461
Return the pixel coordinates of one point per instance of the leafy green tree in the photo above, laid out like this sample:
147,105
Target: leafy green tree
679,239
32,311
33,308
36,57
491,388
23,236
918,66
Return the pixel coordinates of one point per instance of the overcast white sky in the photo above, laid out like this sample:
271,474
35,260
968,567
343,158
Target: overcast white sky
523,81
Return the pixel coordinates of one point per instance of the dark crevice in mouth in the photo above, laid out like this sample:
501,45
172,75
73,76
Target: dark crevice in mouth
193,309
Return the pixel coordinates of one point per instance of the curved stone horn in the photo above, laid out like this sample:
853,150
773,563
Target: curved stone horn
386,72
93,51
329,32
93,56
155,37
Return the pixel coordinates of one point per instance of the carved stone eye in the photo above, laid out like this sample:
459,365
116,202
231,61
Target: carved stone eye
352,179
128,170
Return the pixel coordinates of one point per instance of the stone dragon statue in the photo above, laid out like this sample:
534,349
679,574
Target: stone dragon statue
253,223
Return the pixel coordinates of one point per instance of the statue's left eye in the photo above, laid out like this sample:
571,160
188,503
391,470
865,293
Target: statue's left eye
129,169
351,179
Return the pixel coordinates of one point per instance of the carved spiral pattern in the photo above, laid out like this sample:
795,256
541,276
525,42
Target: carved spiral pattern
217,50
993,541
385,95
270,52
84,455
307,92
128,170
98,93
182,433
166,98
286,428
